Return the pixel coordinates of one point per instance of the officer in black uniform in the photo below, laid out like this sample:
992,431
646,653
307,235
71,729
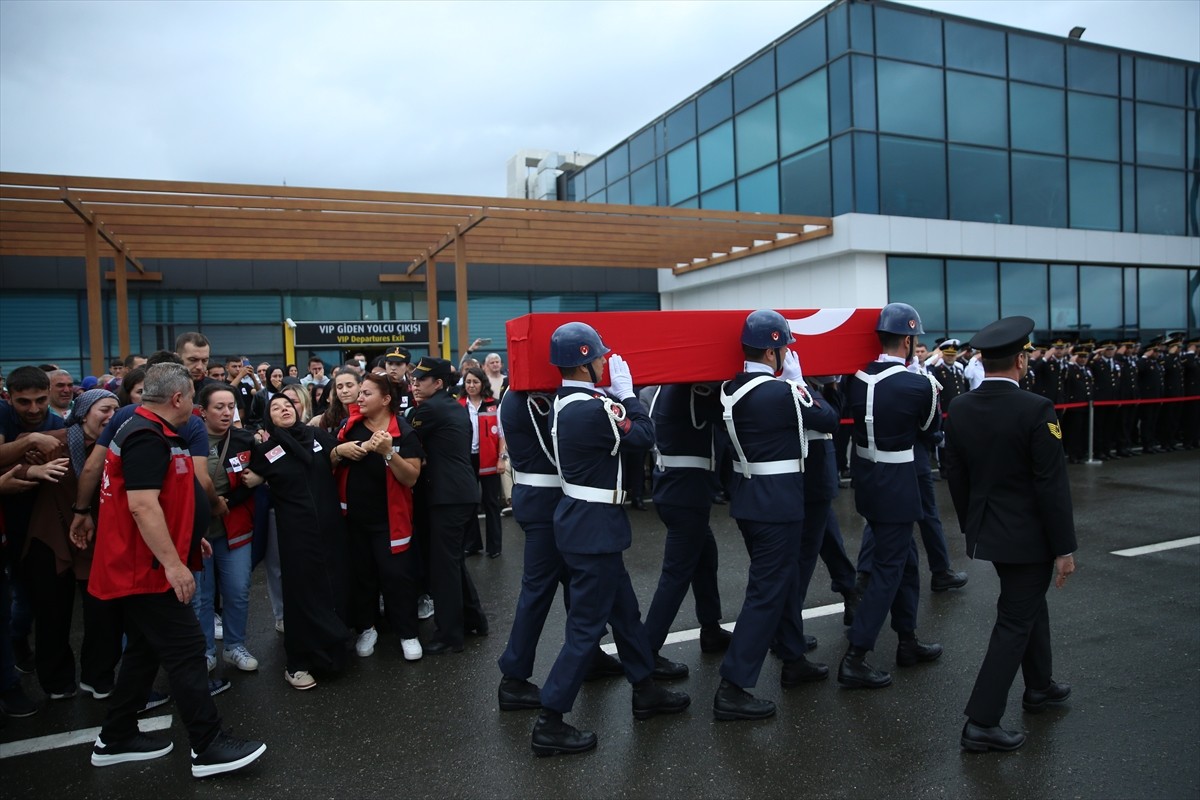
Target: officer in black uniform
396,362
1191,388
1077,388
591,529
891,408
766,419
1171,415
1127,389
1009,484
1106,380
1150,386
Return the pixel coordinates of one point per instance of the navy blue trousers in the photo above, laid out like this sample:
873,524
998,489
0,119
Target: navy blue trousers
895,585
833,553
689,559
816,515
932,535
544,571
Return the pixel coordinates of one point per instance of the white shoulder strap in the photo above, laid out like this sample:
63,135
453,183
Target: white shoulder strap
871,381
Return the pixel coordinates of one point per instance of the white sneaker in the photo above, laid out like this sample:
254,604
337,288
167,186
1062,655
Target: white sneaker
425,607
218,628
365,645
211,661
279,625
300,679
412,649
240,657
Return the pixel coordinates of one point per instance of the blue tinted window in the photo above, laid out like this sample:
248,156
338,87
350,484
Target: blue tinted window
1126,75
862,28
976,109
574,184
843,175
1161,298
912,37
1160,82
838,30
1023,291
866,174
1131,276
716,156
171,308
540,303
839,95
60,340
1092,70
1160,136
1127,128
232,308
1064,297
599,197
1092,122
693,202
978,184
754,81
593,178
760,191
1160,201
616,163
805,183
1095,195
974,48
660,138
1193,94
660,167
756,137
722,199
681,125
1039,190
641,148
1100,297
1035,60
682,178
801,53
921,283
912,178
910,99
974,294
1128,199
643,190
863,69
627,301
803,114
1037,118
619,192
715,105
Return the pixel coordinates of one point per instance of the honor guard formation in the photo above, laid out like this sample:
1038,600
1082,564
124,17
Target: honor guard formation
154,491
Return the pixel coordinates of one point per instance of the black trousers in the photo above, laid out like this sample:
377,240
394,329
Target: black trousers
375,569
1020,640
1149,427
489,501
160,630
456,604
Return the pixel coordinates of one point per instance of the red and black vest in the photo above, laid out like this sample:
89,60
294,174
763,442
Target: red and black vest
239,522
399,496
489,434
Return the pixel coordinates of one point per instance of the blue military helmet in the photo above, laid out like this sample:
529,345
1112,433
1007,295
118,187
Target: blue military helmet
575,344
766,330
900,319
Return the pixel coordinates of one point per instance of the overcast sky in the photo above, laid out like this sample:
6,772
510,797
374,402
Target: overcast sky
405,96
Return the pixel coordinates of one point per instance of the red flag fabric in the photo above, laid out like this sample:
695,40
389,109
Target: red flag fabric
692,346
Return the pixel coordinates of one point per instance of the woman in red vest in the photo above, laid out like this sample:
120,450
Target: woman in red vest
377,461
488,455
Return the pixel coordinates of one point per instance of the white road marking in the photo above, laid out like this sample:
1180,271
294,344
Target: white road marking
1155,548
694,633
71,738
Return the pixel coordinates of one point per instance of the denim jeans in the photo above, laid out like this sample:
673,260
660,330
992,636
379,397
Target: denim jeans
230,569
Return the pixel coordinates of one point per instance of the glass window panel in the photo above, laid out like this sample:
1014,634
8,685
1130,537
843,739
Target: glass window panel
839,30
660,138
843,175
599,197
912,178
641,148
593,179
801,53
1193,87
30,313
805,183
1130,295
642,188
1037,118
1193,300
387,305
246,339
722,199
1064,298
693,202
839,95
1035,60
977,109
619,192
617,163
627,301
1092,122
111,334
760,191
1193,207
756,137
1100,298
866,176
1160,201
1023,291
681,125
910,99
328,306
1095,196
715,105
863,76
218,308
1162,295
978,184
912,37
660,168
1128,199
1127,128
1039,190
972,285
1193,141
557,303
754,81
574,185
1092,70
682,179
975,48
803,114
920,282
1160,81
716,156
862,28
169,308
1160,135
1126,75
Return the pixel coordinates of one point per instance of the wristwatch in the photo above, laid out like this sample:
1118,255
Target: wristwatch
388,458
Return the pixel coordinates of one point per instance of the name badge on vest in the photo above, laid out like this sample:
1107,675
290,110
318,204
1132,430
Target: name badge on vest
274,454
181,466
235,464
317,446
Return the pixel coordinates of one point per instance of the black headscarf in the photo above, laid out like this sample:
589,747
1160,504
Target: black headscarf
296,440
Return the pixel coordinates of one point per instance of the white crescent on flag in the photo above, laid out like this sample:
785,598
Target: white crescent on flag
824,321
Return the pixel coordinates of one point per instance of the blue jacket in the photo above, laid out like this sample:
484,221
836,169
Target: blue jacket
676,435
525,454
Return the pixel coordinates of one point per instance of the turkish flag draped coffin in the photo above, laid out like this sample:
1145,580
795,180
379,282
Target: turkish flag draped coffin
692,346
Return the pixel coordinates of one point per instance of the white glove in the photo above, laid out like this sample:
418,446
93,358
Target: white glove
620,380
791,367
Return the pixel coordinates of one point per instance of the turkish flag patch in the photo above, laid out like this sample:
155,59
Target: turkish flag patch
625,425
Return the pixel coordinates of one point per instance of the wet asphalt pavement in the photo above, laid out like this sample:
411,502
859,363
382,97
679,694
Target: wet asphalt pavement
1126,635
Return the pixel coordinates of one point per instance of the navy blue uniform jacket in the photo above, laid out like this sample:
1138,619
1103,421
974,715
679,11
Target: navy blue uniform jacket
525,454
677,436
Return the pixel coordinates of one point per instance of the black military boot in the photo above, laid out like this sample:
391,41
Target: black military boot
855,673
552,736
912,651
667,670
515,694
650,699
801,671
714,639
734,702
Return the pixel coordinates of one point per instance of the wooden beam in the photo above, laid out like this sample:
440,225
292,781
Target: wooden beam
400,278
90,218
460,294
139,277
94,305
431,304
449,238
122,304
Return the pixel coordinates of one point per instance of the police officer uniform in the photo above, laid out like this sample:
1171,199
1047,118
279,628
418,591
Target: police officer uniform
1191,388
1077,388
1127,389
1106,378
1171,416
1150,387
401,391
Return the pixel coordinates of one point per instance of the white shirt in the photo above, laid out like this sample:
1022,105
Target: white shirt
473,410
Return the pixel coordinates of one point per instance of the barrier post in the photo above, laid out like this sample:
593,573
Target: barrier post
1091,434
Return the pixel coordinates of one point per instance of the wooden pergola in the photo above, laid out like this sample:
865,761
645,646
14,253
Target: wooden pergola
57,215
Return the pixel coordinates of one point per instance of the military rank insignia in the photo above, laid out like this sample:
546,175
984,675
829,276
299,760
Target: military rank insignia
1055,429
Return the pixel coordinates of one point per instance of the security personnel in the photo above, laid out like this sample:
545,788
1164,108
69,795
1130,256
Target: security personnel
1171,415
1191,388
591,529
1077,388
766,419
396,362
1106,379
949,373
1127,389
891,407
1150,387
685,418
1009,484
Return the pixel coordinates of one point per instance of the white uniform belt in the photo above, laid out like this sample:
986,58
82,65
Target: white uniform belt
885,456
540,479
783,467
816,436
693,462
591,494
